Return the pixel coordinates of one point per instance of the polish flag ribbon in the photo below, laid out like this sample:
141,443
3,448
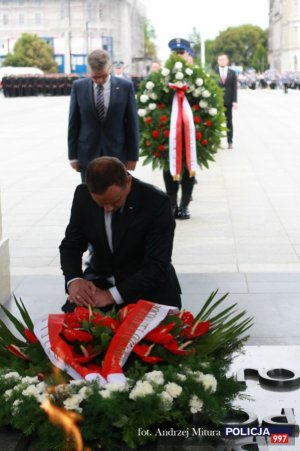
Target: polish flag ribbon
182,138
140,320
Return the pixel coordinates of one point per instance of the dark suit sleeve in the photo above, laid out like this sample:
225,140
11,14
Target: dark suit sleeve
74,243
132,127
234,87
74,124
155,268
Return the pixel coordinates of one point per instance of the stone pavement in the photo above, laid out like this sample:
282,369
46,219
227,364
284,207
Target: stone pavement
244,235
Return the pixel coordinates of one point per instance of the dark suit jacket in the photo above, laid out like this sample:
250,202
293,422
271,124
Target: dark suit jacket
141,261
230,87
117,136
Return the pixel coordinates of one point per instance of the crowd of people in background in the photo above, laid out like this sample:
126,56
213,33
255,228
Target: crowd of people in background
269,79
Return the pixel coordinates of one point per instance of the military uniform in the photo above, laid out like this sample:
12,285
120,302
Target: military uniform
181,211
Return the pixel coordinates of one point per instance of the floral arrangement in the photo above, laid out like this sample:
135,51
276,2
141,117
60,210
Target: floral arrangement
177,372
155,99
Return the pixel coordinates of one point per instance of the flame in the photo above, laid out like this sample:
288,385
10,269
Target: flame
67,420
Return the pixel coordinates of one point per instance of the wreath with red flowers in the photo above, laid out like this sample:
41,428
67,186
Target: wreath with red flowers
154,100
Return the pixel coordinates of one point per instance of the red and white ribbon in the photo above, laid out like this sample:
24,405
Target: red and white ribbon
141,319
182,134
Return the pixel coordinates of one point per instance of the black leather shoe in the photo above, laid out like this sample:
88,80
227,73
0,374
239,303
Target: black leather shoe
184,212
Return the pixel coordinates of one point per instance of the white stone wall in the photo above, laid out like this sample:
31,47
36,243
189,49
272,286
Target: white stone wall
284,35
4,266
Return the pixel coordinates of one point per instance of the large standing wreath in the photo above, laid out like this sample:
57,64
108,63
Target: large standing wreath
155,99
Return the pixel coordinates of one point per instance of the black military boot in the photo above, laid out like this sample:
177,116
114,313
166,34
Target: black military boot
184,212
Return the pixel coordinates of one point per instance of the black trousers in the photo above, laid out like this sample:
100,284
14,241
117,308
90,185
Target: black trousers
228,114
172,186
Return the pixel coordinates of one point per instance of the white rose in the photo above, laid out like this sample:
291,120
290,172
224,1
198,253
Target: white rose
156,377
192,88
206,93
173,389
181,377
141,389
166,89
85,392
77,382
213,111
105,393
179,76
188,71
209,382
195,404
165,72
153,96
116,386
203,104
12,375
199,82
152,106
15,407
150,85
8,394
197,92
179,84
73,403
166,400
178,65
144,98
141,112
30,380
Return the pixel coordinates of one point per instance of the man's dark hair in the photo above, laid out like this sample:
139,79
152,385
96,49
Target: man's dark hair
99,60
104,172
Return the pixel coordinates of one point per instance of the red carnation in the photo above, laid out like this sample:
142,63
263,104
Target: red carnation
198,135
208,123
197,119
163,118
204,142
148,120
196,107
167,133
155,133
160,106
161,147
157,154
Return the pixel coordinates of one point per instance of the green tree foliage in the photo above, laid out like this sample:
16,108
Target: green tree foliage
260,58
149,38
31,51
243,45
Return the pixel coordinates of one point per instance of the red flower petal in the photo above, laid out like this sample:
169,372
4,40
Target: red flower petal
30,337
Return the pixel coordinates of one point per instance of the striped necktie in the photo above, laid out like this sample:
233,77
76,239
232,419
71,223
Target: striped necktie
100,102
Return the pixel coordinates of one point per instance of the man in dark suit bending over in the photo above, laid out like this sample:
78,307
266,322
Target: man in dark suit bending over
228,81
131,228
103,117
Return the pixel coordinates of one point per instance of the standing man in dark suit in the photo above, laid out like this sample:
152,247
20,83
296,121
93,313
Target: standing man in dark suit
103,117
228,81
131,228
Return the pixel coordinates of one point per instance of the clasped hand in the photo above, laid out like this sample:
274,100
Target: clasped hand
84,293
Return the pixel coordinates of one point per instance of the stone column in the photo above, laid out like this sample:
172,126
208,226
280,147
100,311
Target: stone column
4,266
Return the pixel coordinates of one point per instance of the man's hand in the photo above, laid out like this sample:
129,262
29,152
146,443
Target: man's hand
82,292
130,165
235,105
75,165
103,298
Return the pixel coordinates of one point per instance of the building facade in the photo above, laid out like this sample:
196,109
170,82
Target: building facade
284,35
76,27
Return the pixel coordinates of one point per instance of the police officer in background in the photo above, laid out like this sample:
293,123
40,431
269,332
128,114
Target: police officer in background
183,48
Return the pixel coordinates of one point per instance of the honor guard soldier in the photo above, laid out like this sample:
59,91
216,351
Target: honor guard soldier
183,48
